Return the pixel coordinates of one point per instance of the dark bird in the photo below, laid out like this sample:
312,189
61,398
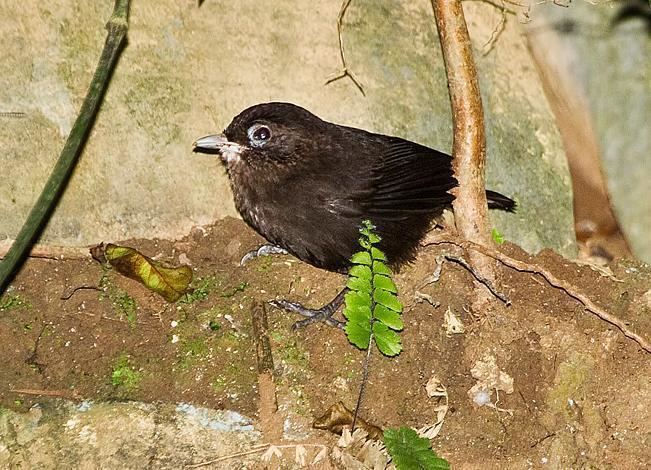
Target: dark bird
305,185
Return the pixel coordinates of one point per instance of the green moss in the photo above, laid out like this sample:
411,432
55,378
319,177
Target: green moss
82,39
230,340
191,351
213,318
14,302
195,347
152,98
124,377
219,383
288,350
292,354
201,289
123,304
264,265
233,378
230,292
126,307
570,384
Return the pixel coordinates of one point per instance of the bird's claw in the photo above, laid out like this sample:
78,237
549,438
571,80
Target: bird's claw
323,314
264,250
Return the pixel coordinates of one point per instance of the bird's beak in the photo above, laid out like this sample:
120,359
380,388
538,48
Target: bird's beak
218,144
210,143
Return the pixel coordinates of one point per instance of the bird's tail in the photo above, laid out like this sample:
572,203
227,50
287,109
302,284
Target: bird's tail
499,201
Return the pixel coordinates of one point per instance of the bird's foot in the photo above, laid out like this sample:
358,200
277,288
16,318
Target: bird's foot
264,250
323,314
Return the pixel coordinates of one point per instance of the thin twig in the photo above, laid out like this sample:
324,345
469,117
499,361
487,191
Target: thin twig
78,288
344,71
32,360
499,7
565,286
117,30
255,450
489,285
542,439
496,33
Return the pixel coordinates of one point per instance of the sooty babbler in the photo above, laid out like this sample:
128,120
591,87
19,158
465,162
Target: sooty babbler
306,185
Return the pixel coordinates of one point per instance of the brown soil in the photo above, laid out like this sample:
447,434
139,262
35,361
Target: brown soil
581,389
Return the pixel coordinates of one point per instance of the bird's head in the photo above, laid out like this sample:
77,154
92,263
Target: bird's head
269,133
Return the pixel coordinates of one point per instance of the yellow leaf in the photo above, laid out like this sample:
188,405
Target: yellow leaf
170,283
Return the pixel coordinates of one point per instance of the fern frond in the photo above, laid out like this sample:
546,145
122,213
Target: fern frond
372,304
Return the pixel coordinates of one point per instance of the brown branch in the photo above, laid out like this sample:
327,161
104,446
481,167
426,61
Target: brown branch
49,251
565,286
271,422
47,393
469,139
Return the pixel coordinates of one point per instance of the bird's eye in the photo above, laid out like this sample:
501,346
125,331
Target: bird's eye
259,135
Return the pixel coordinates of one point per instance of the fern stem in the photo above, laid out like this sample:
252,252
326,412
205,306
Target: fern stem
367,359
362,387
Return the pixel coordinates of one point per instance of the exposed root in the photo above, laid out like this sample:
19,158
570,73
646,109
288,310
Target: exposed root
565,286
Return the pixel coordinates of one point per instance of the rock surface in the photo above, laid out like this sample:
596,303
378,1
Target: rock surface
610,64
187,71
63,434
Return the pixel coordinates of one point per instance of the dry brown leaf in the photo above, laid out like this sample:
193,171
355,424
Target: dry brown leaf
337,417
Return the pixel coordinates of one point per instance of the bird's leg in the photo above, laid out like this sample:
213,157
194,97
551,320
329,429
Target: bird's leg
264,250
323,314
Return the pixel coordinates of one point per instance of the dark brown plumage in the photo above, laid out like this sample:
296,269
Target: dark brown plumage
305,184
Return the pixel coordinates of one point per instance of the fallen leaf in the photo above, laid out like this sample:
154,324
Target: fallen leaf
489,377
452,324
337,417
301,456
435,389
170,283
270,453
323,453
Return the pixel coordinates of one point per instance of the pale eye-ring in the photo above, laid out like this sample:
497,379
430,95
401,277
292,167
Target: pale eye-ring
259,134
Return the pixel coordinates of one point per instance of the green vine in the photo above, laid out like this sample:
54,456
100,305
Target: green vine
56,183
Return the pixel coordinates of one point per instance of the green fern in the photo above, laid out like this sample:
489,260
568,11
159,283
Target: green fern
409,451
372,303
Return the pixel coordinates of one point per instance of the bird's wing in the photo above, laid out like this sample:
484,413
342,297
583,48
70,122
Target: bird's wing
408,179
398,185
398,180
